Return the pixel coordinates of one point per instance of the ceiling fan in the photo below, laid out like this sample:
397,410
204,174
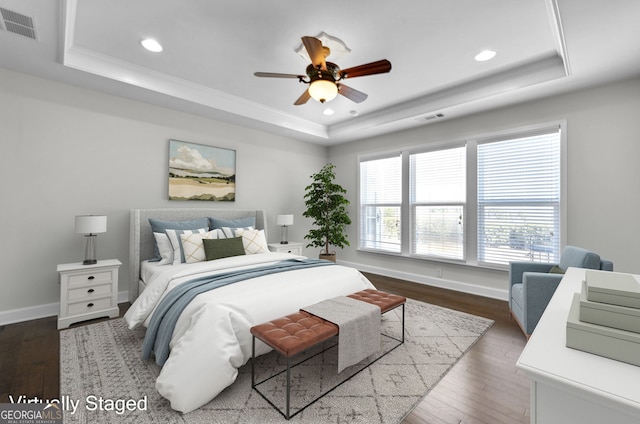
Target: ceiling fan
324,78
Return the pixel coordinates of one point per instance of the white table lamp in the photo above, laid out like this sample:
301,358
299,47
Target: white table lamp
284,221
90,225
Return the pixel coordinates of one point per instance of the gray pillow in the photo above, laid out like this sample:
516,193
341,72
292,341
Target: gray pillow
158,226
249,221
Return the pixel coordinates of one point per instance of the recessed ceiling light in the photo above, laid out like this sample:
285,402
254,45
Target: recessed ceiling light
151,45
485,55
328,111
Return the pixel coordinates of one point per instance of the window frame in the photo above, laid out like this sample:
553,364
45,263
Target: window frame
361,207
414,204
531,203
470,237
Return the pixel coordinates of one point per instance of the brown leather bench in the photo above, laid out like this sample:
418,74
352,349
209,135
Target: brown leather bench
300,331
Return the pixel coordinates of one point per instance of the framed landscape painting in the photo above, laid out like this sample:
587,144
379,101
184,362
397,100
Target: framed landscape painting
199,172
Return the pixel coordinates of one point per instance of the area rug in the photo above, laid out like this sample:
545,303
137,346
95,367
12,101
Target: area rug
101,369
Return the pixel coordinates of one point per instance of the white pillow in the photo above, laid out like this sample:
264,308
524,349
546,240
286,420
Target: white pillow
193,247
253,241
174,237
165,248
229,232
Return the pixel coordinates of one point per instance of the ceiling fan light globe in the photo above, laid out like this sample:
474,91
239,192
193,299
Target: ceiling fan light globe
323,90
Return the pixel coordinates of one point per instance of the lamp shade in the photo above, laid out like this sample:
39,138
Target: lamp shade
91,224
284,220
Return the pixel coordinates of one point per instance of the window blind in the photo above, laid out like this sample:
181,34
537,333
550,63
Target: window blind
380,204
438,196
519,199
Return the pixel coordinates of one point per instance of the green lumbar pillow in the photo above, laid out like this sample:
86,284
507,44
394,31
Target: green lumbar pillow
222,248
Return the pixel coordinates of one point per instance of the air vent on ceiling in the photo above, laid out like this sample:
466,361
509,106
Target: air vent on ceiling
18,23
431,117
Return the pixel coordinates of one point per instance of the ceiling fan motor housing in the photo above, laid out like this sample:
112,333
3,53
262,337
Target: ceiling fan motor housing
332,73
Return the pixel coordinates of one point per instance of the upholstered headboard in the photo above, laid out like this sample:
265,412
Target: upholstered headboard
141,242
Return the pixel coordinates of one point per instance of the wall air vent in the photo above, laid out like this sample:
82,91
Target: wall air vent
431,117
18,23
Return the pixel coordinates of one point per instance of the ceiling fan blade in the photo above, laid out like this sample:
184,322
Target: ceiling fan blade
352,94
378,67
276,75
303,98
315,50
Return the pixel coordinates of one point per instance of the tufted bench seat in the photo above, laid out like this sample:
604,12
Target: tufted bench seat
386,301
297,332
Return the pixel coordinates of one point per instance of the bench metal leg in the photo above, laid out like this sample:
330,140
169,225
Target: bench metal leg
395,337
287,415
253,362
403,323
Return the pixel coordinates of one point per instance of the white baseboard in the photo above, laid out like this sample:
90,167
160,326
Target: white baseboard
432,281
41,311
51,309
29,313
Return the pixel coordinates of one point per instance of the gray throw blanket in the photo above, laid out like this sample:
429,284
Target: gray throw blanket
359,324
164,319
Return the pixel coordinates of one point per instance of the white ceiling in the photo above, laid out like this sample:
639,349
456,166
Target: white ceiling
212,48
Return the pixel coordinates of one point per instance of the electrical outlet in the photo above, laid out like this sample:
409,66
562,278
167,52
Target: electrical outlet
439,272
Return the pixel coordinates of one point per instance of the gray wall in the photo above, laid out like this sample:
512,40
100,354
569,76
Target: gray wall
68,151
603,130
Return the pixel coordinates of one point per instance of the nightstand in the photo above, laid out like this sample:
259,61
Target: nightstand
291,247
88,291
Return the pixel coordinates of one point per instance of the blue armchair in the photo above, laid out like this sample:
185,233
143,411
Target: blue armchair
532,284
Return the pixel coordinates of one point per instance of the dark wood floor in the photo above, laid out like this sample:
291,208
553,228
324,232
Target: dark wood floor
483,387
30,358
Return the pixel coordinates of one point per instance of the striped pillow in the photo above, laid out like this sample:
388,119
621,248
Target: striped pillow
174,237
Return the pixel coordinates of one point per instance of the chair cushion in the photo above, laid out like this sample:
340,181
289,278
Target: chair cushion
517,305
517,295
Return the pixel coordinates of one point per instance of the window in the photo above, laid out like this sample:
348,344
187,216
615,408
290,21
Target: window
438,193
519,199
483,202
380,204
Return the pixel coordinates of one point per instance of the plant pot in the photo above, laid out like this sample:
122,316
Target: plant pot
328,257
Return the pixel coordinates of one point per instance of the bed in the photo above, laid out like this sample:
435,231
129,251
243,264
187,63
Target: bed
211,337
141,241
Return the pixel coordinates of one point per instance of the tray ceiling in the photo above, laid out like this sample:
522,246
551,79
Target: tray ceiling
212,49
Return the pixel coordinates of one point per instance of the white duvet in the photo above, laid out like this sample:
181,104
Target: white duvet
211,339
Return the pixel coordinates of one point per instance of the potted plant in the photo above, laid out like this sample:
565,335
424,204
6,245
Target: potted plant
327,206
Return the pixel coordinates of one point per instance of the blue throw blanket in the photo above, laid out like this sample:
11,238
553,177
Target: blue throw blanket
168,311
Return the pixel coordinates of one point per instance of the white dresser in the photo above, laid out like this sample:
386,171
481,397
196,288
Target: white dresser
571,386
291,247
88,291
